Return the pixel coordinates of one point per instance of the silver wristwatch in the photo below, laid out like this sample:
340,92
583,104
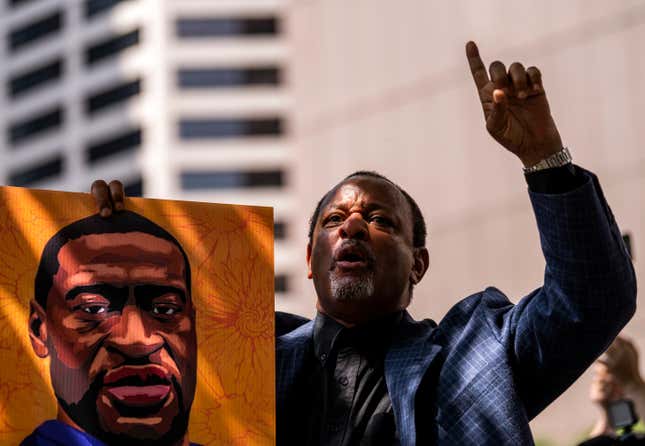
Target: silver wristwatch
561,158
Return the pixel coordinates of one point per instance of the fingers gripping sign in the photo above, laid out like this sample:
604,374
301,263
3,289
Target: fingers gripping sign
515,108
108,197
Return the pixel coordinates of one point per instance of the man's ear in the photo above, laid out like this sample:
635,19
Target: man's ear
38,329
309,273
420,266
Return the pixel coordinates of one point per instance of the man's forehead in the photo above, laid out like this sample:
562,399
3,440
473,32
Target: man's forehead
369,190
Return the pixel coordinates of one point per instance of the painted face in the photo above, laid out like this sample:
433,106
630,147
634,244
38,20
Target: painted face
121,337
361,259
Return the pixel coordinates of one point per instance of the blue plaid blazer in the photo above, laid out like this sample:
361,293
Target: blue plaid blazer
496,365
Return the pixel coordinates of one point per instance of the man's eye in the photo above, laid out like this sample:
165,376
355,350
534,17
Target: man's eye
380,220
335,218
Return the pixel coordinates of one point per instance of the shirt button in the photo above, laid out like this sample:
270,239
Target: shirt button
343,381
323,357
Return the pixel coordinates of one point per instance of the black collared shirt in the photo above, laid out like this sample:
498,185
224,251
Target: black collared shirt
350,404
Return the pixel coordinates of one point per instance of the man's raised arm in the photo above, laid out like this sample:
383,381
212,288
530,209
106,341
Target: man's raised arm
589,290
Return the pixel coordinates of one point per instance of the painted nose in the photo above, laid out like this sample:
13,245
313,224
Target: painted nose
354,227
131,337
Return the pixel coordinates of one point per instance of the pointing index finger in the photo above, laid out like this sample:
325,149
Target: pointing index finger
477,67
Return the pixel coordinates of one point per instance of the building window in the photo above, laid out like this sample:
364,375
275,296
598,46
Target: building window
35,31
227,77
94,7
134,188
39,172
231,179
125,142
29,128
227,27
37,77
229,128
279,230
112,96
17,3
281,283
110,47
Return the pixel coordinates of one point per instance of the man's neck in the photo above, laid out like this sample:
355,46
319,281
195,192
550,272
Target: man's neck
354,320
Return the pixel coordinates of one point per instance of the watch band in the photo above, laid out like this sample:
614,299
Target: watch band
561,158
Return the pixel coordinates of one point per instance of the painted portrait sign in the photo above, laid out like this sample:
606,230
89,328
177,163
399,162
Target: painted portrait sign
152,326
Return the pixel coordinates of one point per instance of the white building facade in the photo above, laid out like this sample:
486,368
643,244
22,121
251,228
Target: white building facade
178,99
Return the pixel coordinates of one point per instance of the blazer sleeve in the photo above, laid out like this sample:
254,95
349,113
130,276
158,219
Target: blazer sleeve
589,294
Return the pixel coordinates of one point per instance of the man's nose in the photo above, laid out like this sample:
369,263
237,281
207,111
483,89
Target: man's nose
354,227
132,337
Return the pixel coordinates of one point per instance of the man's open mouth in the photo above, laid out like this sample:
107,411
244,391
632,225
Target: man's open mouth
142,389
352,257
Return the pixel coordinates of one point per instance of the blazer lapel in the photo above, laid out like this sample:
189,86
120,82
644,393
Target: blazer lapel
409,357
291,351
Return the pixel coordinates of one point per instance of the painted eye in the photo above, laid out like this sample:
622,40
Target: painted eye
95,309
165,310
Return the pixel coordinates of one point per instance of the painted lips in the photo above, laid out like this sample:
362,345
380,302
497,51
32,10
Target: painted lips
138,386
139,396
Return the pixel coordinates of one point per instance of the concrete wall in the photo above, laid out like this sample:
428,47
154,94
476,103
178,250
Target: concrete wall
385,85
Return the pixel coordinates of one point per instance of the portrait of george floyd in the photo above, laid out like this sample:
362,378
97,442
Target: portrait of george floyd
151,326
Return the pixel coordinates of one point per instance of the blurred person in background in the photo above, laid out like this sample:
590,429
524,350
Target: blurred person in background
617,377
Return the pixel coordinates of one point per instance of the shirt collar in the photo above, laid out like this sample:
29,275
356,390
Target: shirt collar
375,335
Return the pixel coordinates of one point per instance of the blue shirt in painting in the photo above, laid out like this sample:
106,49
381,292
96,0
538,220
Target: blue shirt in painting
55,433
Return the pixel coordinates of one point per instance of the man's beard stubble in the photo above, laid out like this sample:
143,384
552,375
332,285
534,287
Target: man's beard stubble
354,288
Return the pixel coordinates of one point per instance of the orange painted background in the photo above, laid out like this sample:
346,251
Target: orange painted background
230,249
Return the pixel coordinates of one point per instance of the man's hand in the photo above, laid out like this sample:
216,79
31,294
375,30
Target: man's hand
108,197
515,108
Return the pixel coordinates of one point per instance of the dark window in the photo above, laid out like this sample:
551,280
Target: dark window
31,127
112,96
279,230
221,27
228,128
134,189
227,77
281,283
35,31
124,142
231,180
110,47
24,82
15,3
93,7
39,172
